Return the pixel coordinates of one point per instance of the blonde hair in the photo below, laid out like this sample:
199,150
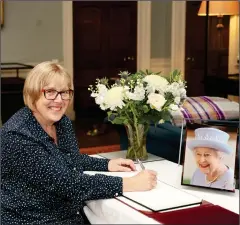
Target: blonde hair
40,76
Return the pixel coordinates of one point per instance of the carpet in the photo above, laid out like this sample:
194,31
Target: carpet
100,149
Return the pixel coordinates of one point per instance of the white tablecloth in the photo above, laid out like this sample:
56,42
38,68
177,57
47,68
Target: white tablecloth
112,211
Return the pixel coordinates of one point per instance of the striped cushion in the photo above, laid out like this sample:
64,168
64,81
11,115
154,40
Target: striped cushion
204,107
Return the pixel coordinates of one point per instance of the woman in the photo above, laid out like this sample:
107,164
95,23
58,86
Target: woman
42,170
208,148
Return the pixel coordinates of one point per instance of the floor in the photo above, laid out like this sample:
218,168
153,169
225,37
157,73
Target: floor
108,136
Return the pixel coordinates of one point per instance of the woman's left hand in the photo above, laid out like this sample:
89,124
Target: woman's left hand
121,165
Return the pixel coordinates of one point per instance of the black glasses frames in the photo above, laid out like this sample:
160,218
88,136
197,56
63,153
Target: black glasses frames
52,94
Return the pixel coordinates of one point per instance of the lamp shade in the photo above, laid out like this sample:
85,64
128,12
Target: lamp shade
219,8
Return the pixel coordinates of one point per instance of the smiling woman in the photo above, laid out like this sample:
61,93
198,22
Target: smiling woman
42,179
49,104
210,157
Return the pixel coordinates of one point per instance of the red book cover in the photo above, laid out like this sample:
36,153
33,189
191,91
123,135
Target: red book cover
204,214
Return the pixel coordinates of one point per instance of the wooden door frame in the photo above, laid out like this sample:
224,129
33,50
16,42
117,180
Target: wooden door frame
143,37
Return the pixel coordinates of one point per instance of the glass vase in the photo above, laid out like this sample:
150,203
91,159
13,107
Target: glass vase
136,142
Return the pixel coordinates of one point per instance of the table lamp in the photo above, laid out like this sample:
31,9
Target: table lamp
219,9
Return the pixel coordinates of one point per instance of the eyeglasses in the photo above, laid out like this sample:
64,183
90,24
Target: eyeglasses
52,94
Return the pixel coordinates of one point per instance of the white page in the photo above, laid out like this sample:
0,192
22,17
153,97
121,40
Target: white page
162,197
118,174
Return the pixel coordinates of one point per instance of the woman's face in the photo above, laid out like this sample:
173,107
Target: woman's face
207,159
51,111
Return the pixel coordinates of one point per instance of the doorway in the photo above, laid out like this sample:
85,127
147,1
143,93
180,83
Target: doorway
105,43
199,83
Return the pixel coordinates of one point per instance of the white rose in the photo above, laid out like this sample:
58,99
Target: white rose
156,83
177,100
174,89
138,94
183,93
114,98
173,107
100,94
156,101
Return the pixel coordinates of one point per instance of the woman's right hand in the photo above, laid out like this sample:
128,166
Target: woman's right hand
143,181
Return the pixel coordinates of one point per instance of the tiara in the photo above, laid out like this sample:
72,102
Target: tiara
208,137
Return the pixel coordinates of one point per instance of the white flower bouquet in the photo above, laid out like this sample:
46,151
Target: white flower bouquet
138,100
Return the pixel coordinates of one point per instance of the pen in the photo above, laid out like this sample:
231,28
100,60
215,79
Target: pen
143,167
141,164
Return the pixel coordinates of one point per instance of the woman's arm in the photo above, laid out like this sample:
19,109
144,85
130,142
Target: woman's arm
87,162
35,165
93,164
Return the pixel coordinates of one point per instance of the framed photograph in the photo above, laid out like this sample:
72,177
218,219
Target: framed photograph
211,154
2,12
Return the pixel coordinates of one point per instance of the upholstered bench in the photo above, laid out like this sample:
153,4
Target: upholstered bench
162,140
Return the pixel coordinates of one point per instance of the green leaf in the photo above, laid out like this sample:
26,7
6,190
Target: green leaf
145,109
166,115
118,120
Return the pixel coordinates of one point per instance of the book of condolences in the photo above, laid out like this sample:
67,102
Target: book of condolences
162,197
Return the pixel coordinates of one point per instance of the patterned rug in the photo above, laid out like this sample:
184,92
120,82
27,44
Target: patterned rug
100,149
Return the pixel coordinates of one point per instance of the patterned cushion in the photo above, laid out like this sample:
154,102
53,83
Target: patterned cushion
206,108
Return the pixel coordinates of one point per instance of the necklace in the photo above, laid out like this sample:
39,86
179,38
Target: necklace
215,178
211,181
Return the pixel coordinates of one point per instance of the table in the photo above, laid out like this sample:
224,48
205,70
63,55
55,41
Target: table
122,154
11,96
115,212
222,86
15,66
12,89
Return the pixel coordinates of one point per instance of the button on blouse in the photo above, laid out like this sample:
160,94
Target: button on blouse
43,182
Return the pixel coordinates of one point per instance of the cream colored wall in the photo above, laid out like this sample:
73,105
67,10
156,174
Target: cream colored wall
172,32
32,31
233,67
162,65
161,12
68,46
161,19
233,45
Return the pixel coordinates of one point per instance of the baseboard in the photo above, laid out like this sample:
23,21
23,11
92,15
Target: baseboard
162,65
100,149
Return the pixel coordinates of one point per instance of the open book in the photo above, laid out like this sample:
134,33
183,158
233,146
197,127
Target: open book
162,197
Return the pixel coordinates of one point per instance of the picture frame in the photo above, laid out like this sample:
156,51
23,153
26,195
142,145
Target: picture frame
211,155
2,12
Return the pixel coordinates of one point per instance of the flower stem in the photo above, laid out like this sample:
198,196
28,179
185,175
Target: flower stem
135,125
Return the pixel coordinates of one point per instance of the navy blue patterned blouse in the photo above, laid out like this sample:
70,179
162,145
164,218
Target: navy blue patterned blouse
43,183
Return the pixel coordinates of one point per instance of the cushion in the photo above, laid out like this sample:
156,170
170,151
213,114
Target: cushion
206,108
